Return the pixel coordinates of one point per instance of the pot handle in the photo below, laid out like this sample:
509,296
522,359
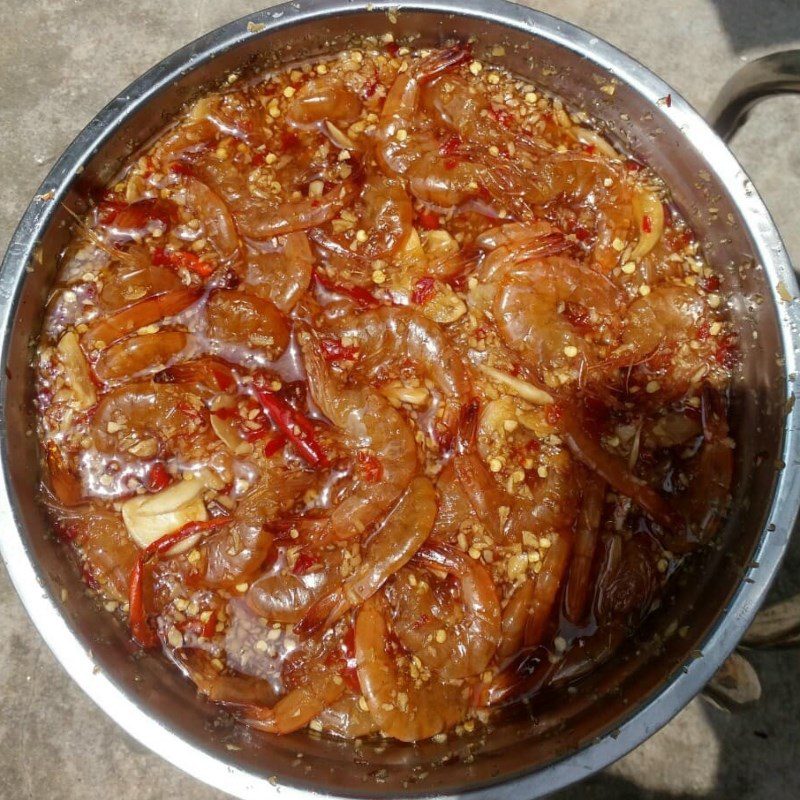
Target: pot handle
777,73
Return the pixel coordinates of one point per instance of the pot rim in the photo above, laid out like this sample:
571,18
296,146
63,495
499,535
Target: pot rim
733,620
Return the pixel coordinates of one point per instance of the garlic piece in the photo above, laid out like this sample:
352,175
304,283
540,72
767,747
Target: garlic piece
646,204
445,306
77,371
227,434
527,391
151,516
339,138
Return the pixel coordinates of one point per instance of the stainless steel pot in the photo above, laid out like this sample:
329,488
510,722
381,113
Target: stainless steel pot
568,736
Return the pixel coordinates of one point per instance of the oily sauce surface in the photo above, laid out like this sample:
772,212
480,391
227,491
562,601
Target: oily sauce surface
383,391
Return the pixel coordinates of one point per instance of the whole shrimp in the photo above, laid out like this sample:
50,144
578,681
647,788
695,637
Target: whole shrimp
455,636
286,595
281,276
398,141
506,246
145,412
664,323
323,99
298,706
236,316
397,539
589,450
546,587
405,701
372,426
556,312
576,595
127,281
216,218
259,219
144,353
395,336
153,309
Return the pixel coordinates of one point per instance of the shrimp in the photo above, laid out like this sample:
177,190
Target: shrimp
664,323
206,375
297,707
374,427
548,582
387,214
347,717
144,353
233,555
406,702
142,418
240,317
397,539
443,182
597,190
134,279
513,242
395,336
454,508
284,595
516,613
555,312
228,689
281,277
485,495
576,595
398,141
705,481
508,246
108,329
323,99
627,580
215,216
668,314
108,552
426,607
612,469
259,220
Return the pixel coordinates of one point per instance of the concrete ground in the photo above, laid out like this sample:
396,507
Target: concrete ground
60,61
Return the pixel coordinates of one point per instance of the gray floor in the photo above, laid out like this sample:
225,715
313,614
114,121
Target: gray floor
61,60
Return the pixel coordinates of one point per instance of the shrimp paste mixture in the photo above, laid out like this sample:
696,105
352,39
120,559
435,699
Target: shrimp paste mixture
382,391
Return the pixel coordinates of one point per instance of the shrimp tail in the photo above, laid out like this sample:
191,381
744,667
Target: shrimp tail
444,61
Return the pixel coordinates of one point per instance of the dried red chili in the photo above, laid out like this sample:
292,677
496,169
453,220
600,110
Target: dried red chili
424,289
334,350
157,478
357,293
180,258
297,428
137,613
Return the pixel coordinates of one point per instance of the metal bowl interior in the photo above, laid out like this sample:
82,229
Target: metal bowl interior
561,738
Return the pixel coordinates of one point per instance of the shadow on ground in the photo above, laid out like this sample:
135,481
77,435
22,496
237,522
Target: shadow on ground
759,24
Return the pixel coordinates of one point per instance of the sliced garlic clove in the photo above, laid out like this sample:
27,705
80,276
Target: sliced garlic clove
397,393
439,244
527,391
339,138
149,517
647,205
77,371
445,306
594,139
226,433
